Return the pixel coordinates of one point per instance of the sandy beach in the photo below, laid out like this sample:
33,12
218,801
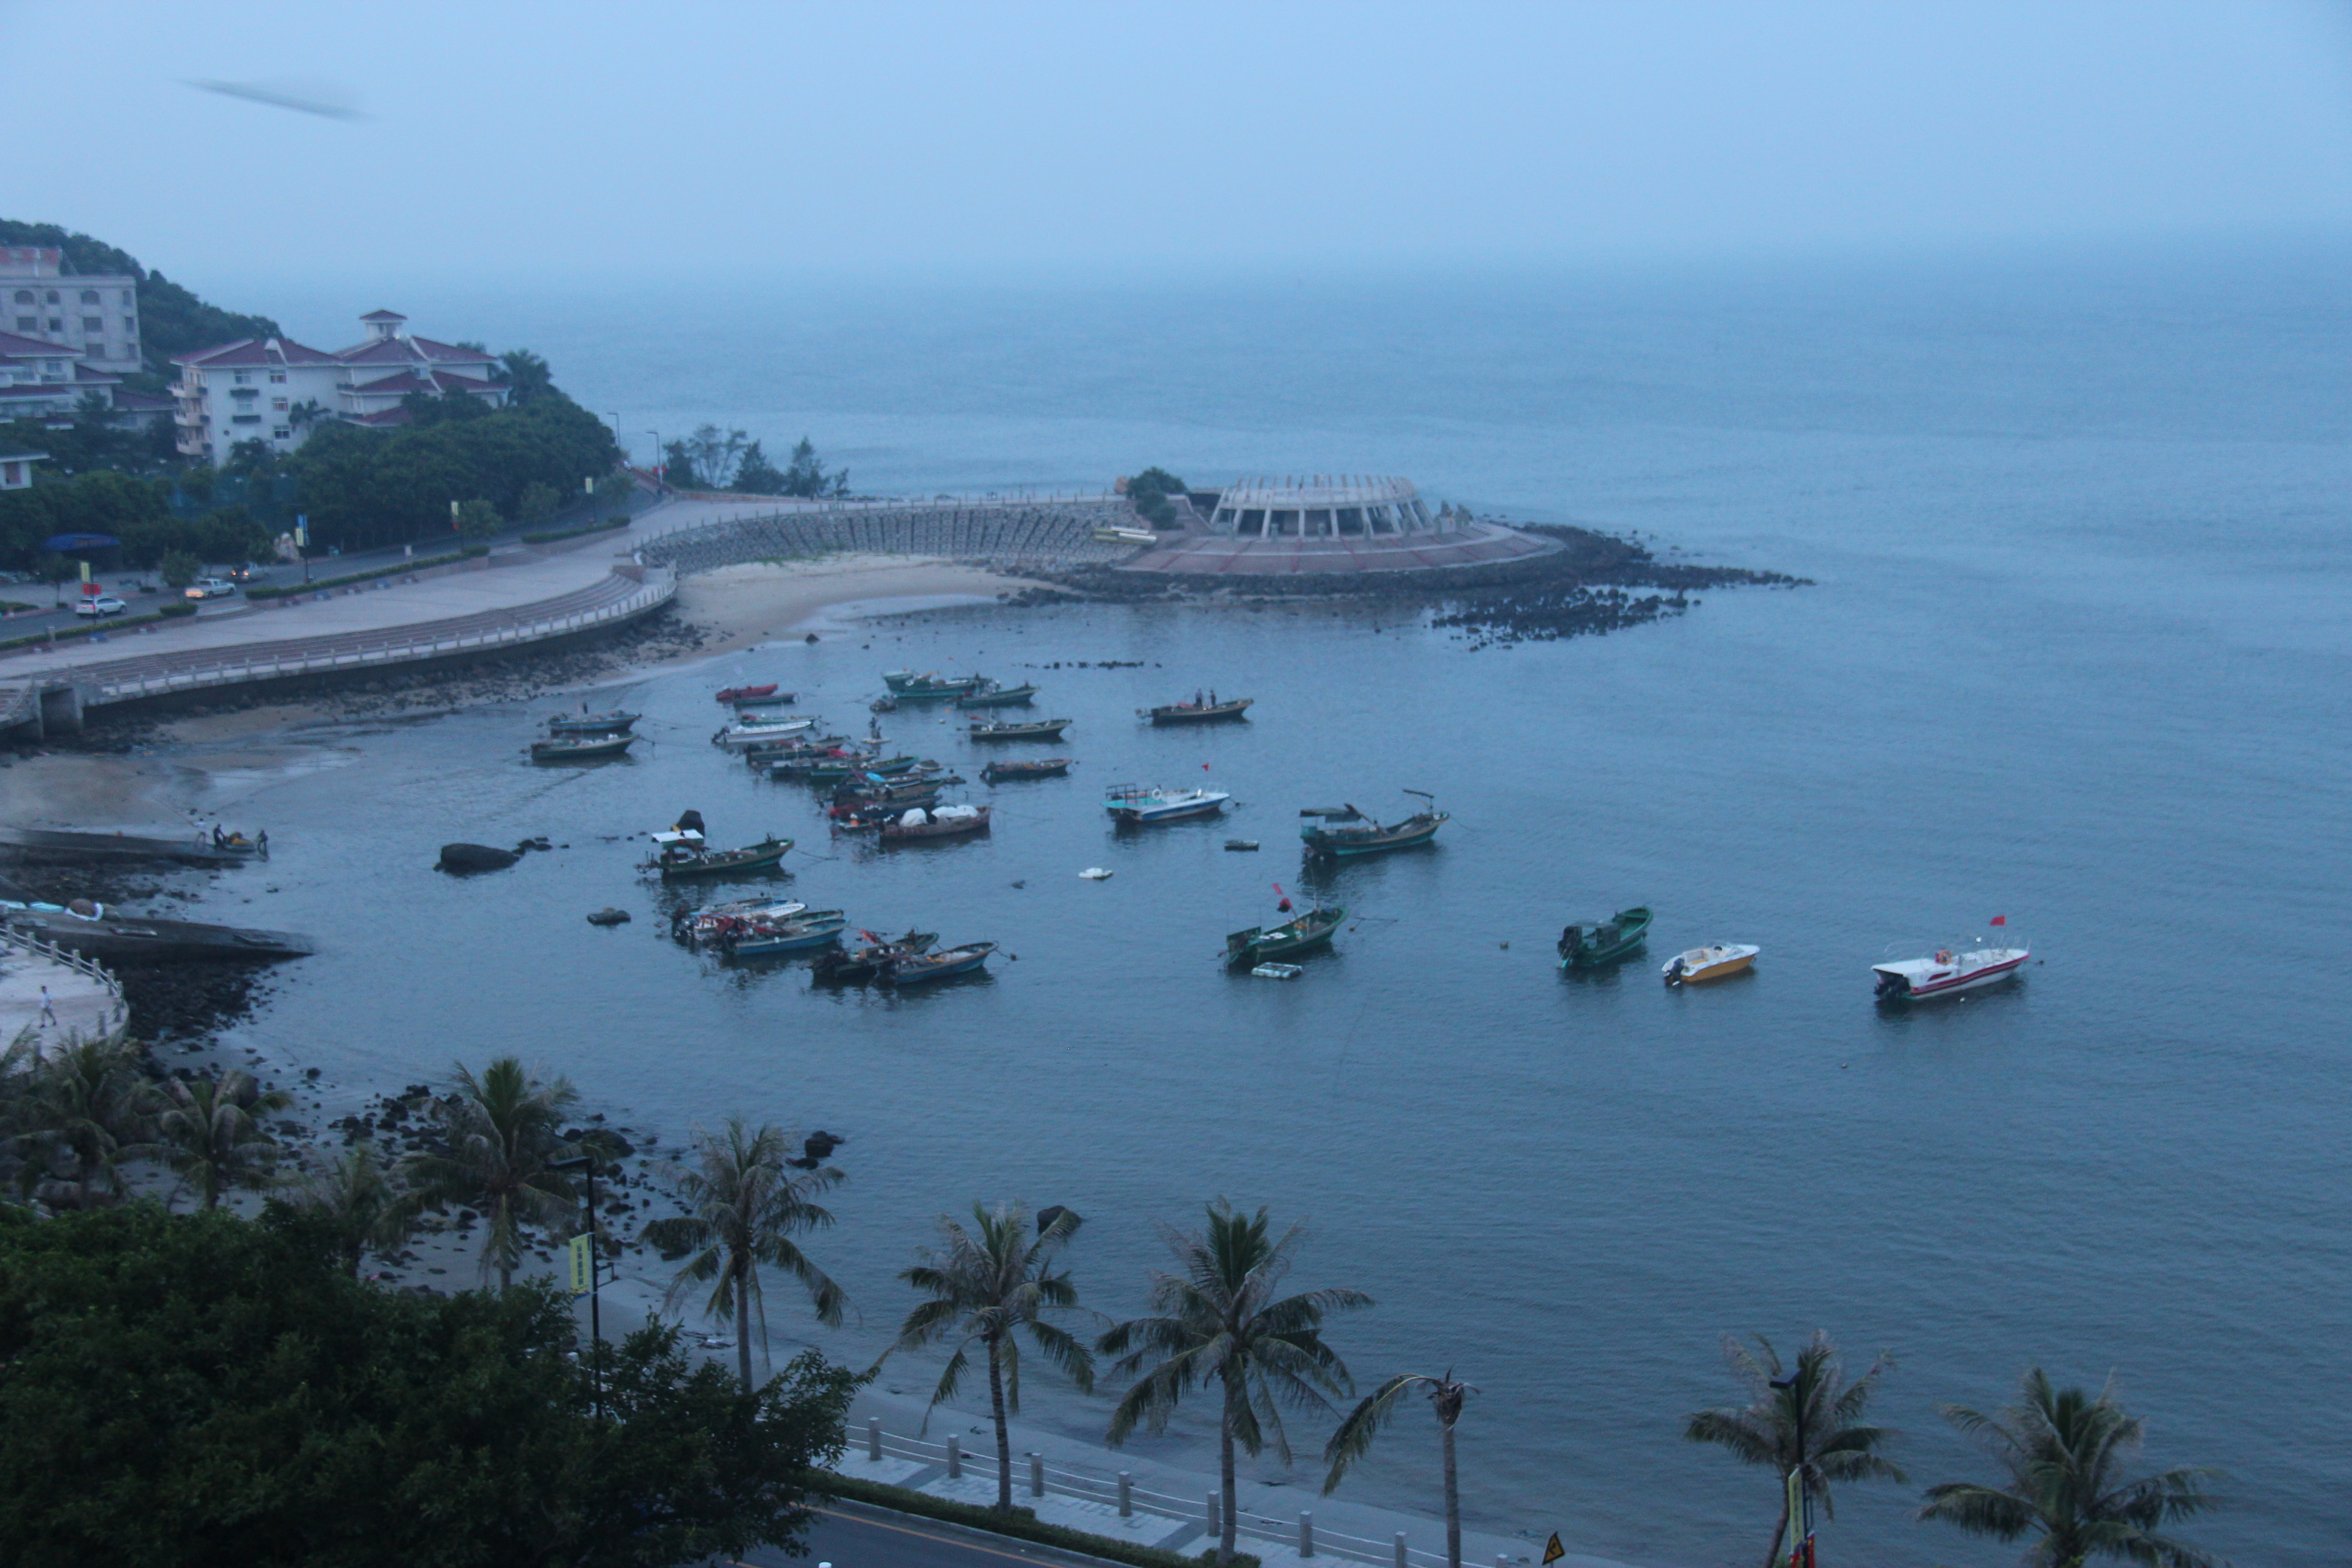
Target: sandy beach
742,606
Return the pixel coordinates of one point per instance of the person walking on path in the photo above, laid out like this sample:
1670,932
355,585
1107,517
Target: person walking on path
48,1008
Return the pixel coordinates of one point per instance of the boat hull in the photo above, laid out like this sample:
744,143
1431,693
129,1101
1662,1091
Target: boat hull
1703,963
1925,980
1049,731
930,967
1012,697
1184,713
1633,935
728,862
1051,768
1323,842
585,751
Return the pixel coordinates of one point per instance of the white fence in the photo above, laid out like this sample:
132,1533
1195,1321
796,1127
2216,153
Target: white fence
1037,1479
119,1012
394,648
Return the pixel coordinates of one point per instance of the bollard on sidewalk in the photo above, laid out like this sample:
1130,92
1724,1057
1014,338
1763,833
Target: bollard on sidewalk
1305,1533
873,1438
1036,1475
1216,1516
1401,1560
1126,1495
955,1458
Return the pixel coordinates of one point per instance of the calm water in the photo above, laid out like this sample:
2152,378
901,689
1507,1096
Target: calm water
2077,657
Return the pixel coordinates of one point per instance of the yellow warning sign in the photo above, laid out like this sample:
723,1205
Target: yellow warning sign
582,1267
1553,1550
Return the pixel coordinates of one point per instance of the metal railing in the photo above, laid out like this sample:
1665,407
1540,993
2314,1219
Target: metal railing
1038,1479
38,948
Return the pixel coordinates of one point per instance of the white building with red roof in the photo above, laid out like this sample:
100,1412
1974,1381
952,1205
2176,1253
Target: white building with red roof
43,380
95,315
276,391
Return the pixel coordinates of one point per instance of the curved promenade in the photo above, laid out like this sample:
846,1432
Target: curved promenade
54,998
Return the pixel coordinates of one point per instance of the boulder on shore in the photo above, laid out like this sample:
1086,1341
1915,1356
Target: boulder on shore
464,858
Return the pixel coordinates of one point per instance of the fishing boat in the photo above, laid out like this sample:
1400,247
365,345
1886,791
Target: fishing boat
1130,804
851,965
933,688
614,723
1948,971
817,928
581,748
1027,768
702,924
1205,711
946,822
1688,968
1279,971
997,697
750,693
1259,944
798,746
681,860
745,733
1022,730
837,770
1342,830
922,968
1597,944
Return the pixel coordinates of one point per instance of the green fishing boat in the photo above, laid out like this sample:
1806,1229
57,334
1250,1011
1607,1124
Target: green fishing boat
835,772
998,697
681,860
1259,944
1598,943
930,687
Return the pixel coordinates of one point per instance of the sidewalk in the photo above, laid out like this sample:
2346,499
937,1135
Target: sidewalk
82,1004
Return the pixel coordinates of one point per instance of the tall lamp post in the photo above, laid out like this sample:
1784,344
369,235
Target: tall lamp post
587,1163
1801,1492
661,477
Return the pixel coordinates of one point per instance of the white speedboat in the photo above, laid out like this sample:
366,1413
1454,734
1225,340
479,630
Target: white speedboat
1141,803
1946,972
1710,963
747,732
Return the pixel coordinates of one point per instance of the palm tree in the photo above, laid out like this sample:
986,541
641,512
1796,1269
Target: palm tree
1220,1320
208,1134
985,1284
744,1208
1817,1403
1354,1439
2065,1453
501,1132
358,1203
85,1106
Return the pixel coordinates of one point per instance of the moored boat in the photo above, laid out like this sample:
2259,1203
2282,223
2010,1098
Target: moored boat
1596,943
1948,971
1305,932
1022,730
850,966
682,859
702,924
750,693
934,686
1026,768
745,733
1698,963
997,697
944,822
1148,804
1343,831
922,968
616,722
581,748
816,928
1205,711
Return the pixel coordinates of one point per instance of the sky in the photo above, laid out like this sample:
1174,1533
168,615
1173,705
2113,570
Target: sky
587,140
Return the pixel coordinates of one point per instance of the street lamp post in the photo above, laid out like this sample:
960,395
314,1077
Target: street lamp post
661,477
587,1163
1800,1490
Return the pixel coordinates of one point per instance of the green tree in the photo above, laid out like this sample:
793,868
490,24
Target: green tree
755,476
2064,1454
1149,492
1354,1439
807,478
356,1204
528,377
85,1108
179,569
989,1285
501,1133
677,467
209,1135
1838,1445
715,453
743,1209
477,519
193,1389
538,503
1219,1321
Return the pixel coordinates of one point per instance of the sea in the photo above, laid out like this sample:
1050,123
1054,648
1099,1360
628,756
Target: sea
2072,653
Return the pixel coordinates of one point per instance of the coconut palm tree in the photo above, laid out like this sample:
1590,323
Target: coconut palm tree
1218,1320
2064,1454
989,1284
743,1209
1816,1402
501,1131
1354,1439
86,1107
209,1135
357,1202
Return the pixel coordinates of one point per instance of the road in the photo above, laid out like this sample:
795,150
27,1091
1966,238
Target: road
901,1540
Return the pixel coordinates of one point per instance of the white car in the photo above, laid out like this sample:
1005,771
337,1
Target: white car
210,588
104,605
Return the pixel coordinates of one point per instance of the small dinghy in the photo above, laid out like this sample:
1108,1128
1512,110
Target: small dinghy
1307,931
1022,730
1130,804
752,693
1595,945
1036,768
1714,962
993,696
582,747
1202,713
585,723
945,822
922,968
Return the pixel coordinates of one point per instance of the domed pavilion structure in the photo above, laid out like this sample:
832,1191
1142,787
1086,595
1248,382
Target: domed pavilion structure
1330,523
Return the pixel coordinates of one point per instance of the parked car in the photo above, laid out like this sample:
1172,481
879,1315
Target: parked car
104,605
210,588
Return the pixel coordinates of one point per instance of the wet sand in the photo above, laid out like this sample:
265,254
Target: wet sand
742,606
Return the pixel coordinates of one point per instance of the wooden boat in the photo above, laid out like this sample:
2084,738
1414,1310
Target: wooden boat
946,822
750,693
838,770
681,860
798,747
817,928
840,967
1022,730
934,688
1260,943
59,847
701,925
1131,804
1951,970
582,749
614,723
1344,831
133,939
1199,712
745,733
1697,963
800,764
922,968
1599,942
997,697
1026,768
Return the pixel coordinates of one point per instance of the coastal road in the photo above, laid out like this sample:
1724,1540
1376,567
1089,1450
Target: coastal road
878,1540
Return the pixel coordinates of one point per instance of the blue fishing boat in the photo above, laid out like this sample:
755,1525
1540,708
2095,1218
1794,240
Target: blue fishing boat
762,938
922,968
1342,831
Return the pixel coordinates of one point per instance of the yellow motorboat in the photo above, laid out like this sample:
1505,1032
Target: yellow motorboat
1710,963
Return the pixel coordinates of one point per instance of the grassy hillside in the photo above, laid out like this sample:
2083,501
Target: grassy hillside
171,319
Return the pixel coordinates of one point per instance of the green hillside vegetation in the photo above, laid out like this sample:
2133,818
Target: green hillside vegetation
171,319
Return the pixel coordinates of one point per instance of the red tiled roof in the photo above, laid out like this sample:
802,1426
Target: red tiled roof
410,350
383,316
454,354
429,380
15,346
395,415
31,255
27,389
256,351
84,374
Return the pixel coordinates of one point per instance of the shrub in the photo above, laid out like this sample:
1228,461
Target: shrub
175,610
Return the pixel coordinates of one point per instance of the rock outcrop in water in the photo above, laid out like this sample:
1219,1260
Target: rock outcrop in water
462,859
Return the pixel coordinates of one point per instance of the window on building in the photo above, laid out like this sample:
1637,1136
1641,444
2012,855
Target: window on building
278,377
278,404
51,297
23,296
127,296
283,433
29,324
243,377
56,323
93,326
90,296
129,326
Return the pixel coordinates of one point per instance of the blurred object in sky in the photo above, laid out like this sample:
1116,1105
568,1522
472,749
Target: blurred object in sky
309,96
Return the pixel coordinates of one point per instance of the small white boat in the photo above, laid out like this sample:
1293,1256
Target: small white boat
1279,971
1141,803
1947,971
1710,963
749,732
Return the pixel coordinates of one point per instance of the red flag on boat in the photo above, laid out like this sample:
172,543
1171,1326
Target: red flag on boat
1285,906
2001,919
1205,767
